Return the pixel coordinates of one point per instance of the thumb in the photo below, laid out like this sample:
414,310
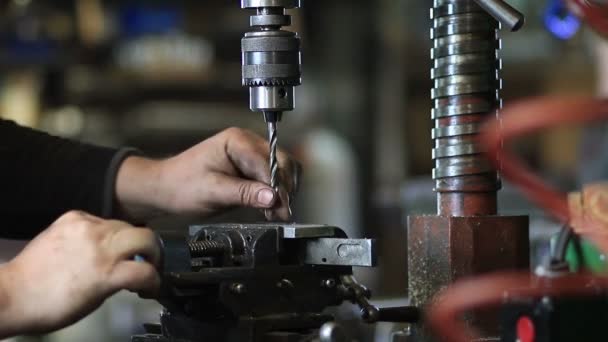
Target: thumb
135,276
233,191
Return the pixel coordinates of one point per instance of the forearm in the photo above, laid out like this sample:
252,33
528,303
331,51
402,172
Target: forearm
13,321
140,194
44,176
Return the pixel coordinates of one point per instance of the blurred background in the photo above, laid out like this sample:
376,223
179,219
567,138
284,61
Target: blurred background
164,75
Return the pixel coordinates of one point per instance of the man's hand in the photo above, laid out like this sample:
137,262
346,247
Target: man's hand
227,170
70,269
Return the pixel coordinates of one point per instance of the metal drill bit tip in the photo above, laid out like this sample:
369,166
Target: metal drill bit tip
271,119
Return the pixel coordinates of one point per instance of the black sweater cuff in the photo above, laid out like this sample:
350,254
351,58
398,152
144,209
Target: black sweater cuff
109,193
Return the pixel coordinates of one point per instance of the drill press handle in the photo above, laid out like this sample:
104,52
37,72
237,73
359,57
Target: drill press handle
504,13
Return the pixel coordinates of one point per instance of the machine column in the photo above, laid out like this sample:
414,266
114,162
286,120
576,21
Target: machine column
466,237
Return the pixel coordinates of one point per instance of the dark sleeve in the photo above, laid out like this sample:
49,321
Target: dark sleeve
43,176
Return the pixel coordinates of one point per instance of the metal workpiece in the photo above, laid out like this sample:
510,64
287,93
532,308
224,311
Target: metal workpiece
332,251
306,231
466,84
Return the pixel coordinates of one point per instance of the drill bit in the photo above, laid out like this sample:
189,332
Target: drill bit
274,164
272,118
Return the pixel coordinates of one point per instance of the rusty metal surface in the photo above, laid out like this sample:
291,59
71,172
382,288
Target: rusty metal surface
443,249
467,203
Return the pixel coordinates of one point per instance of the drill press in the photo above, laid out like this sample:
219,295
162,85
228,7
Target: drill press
263,282
271,67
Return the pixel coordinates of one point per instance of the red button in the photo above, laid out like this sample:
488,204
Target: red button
525,329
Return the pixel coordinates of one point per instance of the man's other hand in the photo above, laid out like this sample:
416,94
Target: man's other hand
227,170
68,270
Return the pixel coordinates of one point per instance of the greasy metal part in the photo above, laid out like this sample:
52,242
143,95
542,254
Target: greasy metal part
205,248
332,251
466,84
254,282
466,238
504,13
332,332
459,204
443,249
359,294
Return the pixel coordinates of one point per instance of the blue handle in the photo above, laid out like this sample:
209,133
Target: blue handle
560,21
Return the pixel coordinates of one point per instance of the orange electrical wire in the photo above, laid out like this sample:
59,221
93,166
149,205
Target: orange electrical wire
527,117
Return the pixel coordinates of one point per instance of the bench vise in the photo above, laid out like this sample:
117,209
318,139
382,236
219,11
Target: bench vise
257,282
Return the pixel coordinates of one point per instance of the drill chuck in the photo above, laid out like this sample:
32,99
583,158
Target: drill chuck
271,56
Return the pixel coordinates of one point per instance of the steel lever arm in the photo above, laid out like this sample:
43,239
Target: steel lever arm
504,13
401,314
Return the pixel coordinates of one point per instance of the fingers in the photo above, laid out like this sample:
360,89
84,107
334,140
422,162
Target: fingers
140,277
290,172
281,211
250,154
74,216
231,191
128,242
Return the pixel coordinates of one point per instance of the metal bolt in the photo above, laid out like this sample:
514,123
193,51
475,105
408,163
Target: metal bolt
404,335
329,283
285,284
332,332
238,288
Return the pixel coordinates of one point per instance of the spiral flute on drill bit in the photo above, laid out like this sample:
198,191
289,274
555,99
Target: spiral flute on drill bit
274,164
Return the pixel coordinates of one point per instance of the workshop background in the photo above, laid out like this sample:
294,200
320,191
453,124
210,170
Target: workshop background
164,75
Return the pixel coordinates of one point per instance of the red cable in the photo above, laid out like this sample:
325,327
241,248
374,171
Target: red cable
594,14
528,117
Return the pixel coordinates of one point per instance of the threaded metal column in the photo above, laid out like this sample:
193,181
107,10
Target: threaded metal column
466,85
